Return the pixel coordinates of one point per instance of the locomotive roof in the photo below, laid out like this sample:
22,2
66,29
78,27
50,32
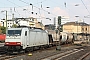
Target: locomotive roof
14,28
31,29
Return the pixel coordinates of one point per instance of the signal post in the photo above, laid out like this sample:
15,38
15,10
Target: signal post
58,29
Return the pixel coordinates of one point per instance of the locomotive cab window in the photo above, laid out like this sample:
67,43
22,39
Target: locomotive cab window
25,33
14,32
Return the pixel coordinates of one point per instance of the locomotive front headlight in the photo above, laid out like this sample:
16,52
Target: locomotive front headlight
6,43
18,43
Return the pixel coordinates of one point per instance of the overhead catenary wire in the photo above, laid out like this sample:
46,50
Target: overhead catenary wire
39,2
33,6
27,5
65,5
89,0
37,7
13,3
14,7
85,6
34,3
17,6
41,8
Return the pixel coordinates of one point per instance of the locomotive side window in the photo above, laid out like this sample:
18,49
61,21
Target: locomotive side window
25,33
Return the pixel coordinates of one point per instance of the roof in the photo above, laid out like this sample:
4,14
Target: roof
76,23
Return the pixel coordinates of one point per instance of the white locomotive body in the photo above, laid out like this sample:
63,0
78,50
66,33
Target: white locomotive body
25,38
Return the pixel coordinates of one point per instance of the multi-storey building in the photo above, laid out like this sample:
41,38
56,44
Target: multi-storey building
64,20
32,22
80,29
76,27
2,22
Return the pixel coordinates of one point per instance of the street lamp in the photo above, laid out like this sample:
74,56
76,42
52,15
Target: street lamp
25,11
32,8
77,26
48,8
77,5
48,12
48,18
6,17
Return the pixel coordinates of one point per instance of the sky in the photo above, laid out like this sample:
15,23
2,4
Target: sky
68,8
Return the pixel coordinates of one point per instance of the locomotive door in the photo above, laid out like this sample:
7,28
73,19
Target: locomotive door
26,39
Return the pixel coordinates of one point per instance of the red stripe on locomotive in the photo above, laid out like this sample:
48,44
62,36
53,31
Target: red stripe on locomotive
13,43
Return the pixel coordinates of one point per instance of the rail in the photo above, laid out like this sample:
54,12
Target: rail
62,55
84,56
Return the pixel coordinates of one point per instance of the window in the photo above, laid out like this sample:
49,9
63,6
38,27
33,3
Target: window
82,29
86,29
25,33
14,32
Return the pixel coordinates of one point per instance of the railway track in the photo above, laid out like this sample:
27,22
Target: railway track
84,56
60,56
53,57
5,56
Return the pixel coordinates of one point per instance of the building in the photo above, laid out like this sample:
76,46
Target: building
32,22
24,21
38,24
2,22
9,23
76,27
64,20
80,29
59,21
50,27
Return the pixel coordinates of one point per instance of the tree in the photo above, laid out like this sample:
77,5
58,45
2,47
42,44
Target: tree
14,25
3,29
